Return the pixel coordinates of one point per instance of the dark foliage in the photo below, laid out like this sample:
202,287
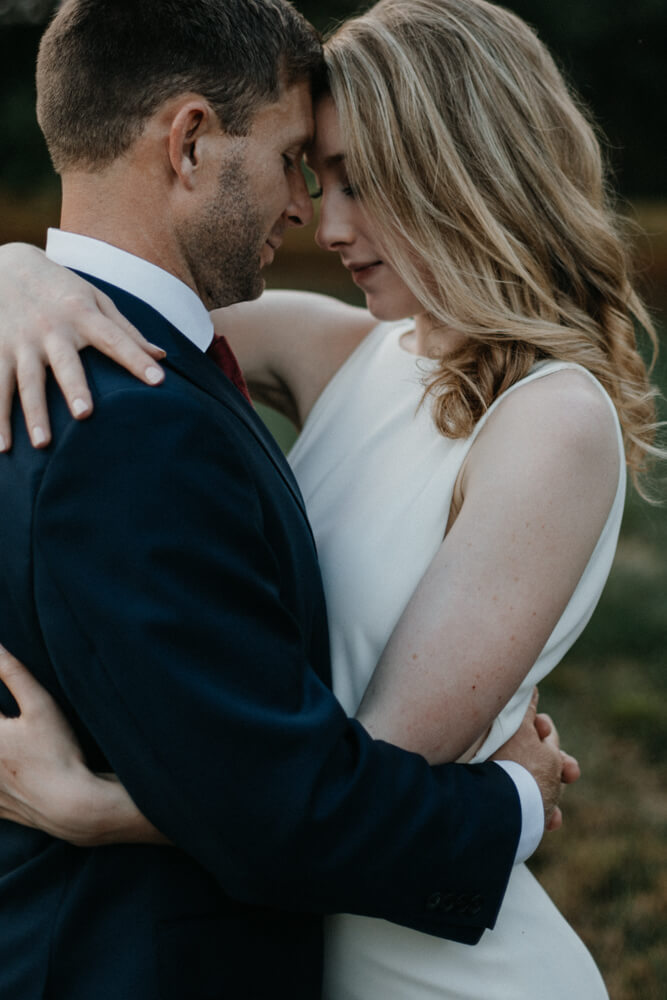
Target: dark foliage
613,51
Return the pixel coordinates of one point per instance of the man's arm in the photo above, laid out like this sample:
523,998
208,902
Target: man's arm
184,662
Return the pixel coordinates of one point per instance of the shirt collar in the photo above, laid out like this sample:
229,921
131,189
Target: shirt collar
167,294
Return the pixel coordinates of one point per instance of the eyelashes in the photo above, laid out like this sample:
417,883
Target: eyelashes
348,191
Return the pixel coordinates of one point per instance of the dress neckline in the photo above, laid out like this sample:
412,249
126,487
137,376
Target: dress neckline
407,326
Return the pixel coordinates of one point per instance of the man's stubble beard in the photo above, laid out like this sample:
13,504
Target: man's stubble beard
223,245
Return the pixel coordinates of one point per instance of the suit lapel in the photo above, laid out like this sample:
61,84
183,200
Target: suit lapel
189,361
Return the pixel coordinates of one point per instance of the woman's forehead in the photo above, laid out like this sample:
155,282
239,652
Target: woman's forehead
327,147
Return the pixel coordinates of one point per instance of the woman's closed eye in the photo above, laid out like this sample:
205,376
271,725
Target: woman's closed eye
347,189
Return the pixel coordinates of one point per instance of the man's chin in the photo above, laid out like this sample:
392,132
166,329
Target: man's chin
248,292
259,285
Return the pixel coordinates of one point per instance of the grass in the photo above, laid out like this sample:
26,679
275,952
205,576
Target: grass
607,869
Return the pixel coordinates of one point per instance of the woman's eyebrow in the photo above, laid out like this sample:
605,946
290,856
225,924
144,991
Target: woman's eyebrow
334,160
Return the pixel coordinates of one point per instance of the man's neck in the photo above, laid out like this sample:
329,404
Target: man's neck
125,215
165,292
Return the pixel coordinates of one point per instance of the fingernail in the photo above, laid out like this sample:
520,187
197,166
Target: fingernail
2,650
154,375
38,435
162,351
3,443
79,406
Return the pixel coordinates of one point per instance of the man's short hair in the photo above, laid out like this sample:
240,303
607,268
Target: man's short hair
105,66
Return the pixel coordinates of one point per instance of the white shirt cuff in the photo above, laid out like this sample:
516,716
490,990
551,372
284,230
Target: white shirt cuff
532,809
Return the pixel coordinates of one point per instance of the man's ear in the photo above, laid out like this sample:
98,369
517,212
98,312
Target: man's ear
193,130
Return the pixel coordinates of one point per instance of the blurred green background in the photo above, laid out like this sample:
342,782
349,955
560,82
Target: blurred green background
607,870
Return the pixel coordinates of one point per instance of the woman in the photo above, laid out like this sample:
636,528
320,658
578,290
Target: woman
463,467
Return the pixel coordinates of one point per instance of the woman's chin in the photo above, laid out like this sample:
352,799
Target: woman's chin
385,312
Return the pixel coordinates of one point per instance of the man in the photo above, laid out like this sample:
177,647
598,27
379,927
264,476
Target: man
159,577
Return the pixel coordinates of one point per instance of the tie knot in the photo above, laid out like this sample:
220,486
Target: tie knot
223,356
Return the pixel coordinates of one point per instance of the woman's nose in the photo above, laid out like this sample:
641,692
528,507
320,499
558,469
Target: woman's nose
334,229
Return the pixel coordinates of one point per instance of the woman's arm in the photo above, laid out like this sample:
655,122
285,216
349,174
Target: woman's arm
45,784
47,315
535,494
289,344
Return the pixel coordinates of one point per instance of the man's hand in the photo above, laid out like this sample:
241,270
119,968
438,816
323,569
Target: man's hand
536,747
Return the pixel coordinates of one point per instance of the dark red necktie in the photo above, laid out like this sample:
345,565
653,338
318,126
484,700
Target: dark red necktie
223,356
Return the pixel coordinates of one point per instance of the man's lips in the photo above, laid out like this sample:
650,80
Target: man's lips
272,243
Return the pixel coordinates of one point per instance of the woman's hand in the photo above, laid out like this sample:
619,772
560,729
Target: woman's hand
47,315
44,782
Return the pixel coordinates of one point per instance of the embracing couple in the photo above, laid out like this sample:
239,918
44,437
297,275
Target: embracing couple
460,475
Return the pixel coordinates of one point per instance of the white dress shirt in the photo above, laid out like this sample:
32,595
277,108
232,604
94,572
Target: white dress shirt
167,294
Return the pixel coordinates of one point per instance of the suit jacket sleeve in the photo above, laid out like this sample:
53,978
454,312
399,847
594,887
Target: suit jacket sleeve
159,595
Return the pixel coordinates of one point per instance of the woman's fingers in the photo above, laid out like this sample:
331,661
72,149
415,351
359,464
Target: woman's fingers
115,336
30,379
102,326
70,375
30,696
7,387
47,325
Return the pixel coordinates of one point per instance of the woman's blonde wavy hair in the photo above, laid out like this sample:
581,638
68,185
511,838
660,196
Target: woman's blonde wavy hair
484,180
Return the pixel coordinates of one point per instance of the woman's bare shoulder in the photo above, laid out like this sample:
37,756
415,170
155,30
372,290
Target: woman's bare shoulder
555,432
563,406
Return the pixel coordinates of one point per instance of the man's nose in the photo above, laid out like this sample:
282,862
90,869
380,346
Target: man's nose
300,208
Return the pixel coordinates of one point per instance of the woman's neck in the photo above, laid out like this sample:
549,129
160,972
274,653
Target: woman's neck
429,340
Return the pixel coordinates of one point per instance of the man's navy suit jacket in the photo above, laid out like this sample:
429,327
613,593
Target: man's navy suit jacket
159,577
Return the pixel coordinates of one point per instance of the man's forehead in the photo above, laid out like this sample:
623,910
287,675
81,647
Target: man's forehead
293,111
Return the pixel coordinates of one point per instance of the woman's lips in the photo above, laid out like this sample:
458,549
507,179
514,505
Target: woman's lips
362,271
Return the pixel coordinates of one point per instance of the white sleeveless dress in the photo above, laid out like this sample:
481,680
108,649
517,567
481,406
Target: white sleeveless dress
378,480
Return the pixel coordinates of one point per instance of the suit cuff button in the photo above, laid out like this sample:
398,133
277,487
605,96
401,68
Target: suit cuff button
433,901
